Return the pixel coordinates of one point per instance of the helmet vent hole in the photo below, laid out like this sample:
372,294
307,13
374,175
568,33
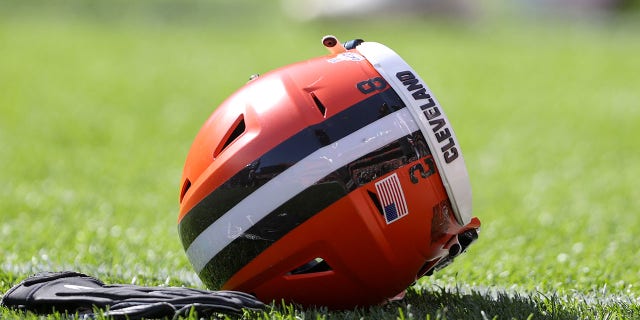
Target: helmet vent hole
319,105
314,266
185,187
236,130
376,202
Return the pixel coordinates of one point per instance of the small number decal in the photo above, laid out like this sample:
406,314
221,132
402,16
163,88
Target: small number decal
371,85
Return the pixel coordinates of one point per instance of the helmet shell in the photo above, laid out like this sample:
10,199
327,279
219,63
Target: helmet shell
316,183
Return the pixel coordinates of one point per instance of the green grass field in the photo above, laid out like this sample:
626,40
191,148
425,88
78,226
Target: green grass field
99,105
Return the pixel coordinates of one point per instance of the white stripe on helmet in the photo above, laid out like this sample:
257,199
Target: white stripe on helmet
294,180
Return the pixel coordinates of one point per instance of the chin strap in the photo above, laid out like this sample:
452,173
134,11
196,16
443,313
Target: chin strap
74,292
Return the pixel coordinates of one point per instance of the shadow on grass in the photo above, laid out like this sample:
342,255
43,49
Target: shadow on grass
430,303
455,304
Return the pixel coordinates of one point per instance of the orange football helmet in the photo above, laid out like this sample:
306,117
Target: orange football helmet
336,181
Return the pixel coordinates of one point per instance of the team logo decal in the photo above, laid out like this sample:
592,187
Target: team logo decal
392,198
346,56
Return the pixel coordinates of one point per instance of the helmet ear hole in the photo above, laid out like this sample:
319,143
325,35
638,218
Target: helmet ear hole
313,266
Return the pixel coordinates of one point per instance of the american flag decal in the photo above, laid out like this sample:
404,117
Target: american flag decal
392,198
